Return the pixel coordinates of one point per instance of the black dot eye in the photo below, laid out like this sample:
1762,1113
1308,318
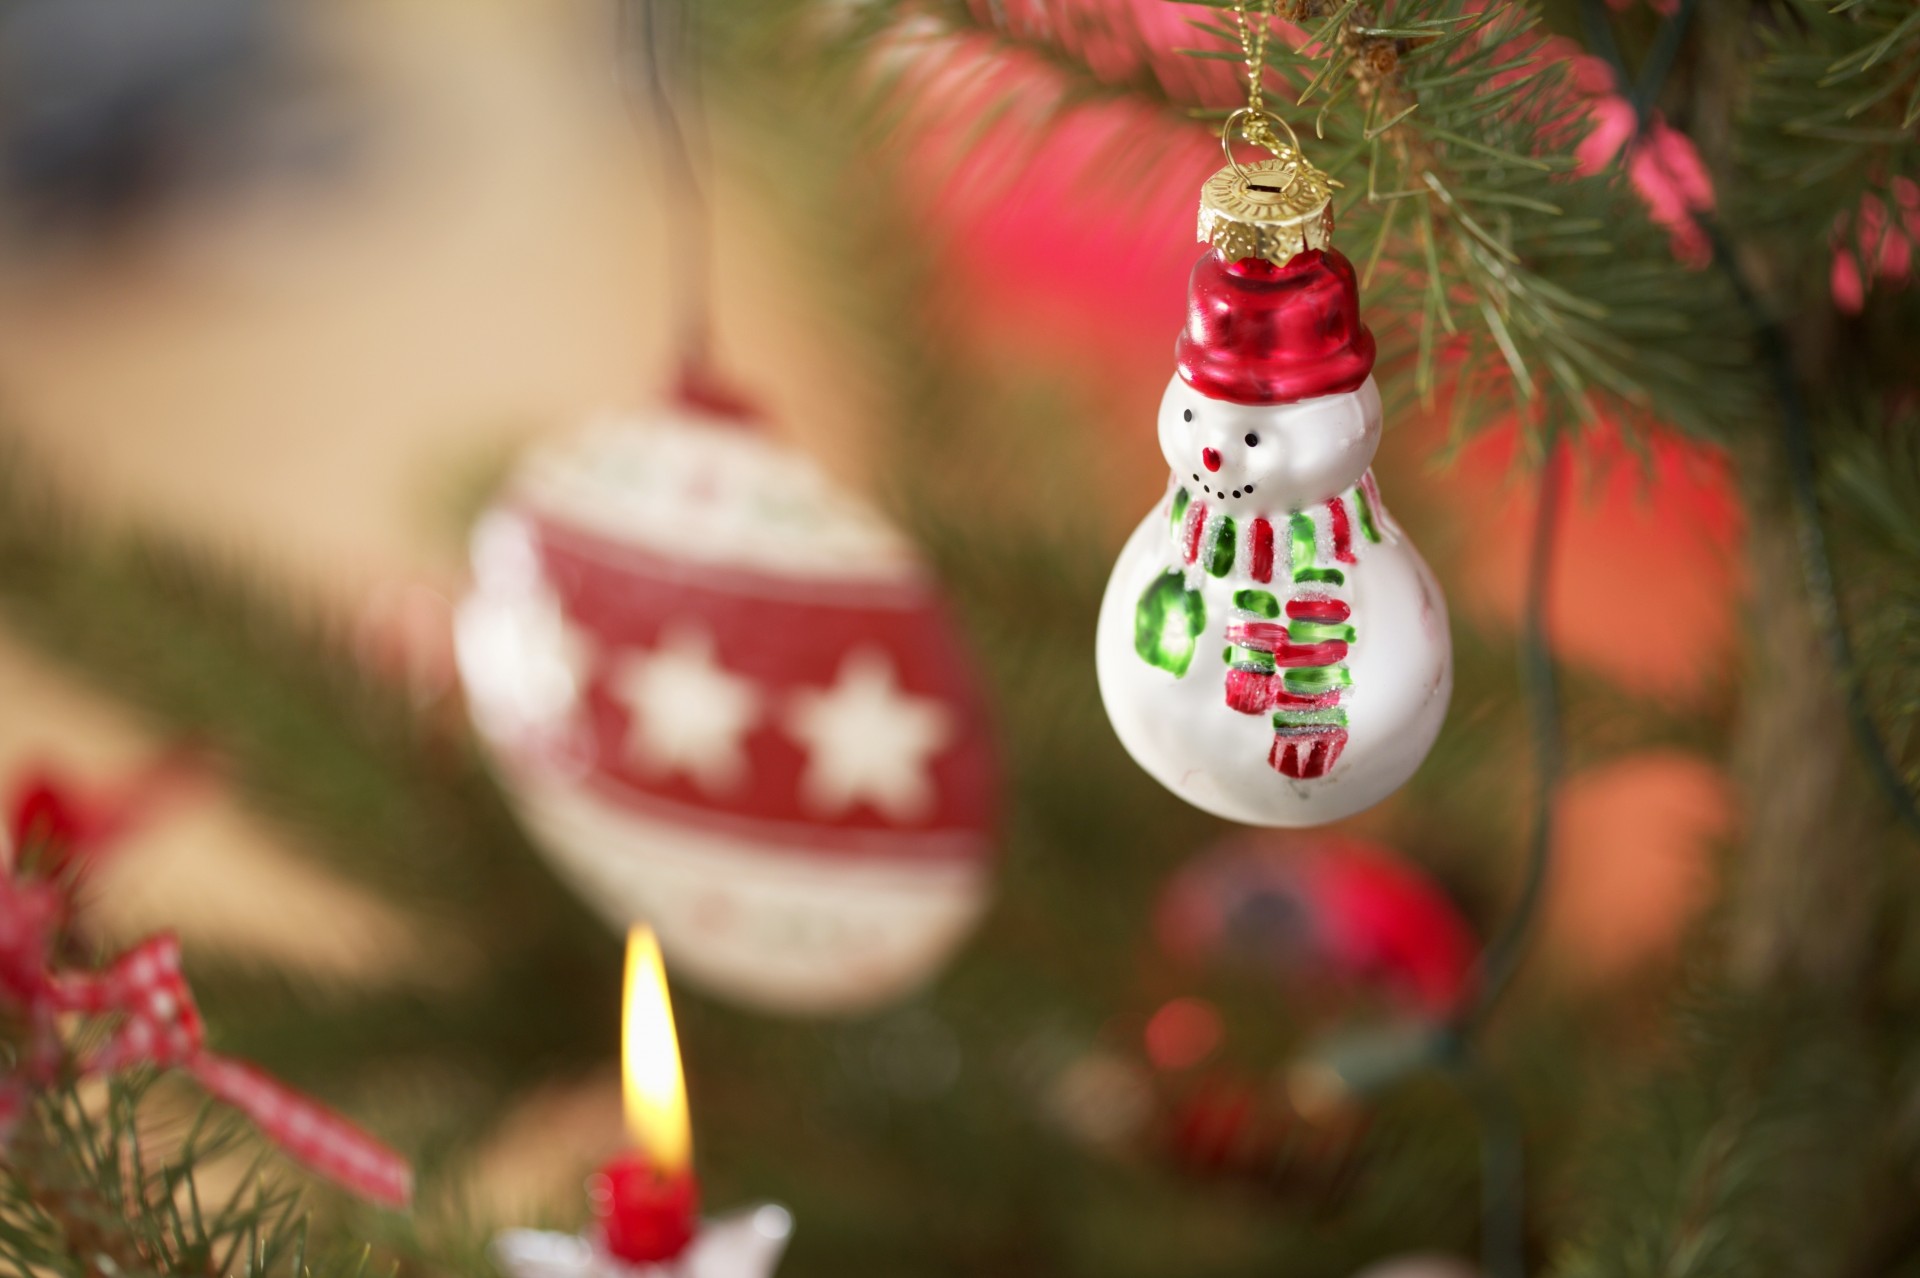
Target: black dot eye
1253,440
1187,415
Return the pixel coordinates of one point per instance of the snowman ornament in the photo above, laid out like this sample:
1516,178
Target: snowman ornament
1271,647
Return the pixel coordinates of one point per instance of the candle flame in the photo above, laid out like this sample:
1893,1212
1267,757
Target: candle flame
655,1089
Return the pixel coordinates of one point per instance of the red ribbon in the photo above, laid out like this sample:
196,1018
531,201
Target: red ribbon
75,824
156,1020
160,1025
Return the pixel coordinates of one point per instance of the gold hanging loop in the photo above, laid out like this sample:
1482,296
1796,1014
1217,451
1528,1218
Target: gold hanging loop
1272,209
1258,131
1254,122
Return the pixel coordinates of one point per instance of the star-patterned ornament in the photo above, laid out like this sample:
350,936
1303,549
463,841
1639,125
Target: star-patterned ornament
689,713
523,662
772,750
868,741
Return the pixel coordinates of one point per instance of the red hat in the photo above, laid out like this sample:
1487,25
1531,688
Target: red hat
1263,334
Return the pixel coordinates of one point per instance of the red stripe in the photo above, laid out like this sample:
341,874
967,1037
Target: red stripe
1342,530
1271,636
1336,742
571,549
1262,550
1305,758
1317,608
1196,520
1312,654
1371,491
1261,636
1253,691
1300,701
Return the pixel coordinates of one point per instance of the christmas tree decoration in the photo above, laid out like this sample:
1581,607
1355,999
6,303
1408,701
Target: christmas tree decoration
1326,907
1182,1033
646,1202
67,825
1271,647
742,1244
646,1199
138,1013
1226,1127
1335,664
1303,1068
725,697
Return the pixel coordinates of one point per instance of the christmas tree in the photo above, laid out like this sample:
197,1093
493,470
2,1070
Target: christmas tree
1618,983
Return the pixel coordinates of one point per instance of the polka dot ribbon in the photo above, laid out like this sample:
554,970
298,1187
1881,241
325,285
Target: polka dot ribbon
156,1023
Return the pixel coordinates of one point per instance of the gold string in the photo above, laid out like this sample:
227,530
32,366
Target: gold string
1253,44
1254,121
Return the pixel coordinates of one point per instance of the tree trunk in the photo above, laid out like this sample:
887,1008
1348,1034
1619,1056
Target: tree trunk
1805,887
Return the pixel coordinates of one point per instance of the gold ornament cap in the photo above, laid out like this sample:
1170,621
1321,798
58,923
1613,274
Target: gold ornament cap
1269,209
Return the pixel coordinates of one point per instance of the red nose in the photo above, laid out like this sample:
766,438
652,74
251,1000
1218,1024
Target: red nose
1210,457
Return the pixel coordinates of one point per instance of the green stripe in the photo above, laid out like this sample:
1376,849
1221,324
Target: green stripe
1319,631
1310,680
1333,716
1365,509
1257,601
1320,576
1304,543
1250,659
1180,501
1220,546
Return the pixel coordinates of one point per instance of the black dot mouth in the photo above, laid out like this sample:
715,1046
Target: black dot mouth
1236,492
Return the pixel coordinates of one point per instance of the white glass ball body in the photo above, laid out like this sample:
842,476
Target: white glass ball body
1181,728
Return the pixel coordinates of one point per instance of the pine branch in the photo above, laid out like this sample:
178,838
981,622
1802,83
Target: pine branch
1761,1149
1872,494
84,1195
373,788
1532,292
1831,122
380,791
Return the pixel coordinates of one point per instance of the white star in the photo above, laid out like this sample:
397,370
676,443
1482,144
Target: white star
865,739
523,662
688,713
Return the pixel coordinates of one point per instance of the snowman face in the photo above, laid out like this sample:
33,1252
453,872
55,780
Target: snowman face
1268,456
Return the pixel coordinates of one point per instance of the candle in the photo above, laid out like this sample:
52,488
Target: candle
648,1201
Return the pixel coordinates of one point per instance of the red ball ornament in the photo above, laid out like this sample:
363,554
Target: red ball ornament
1321,906
727,701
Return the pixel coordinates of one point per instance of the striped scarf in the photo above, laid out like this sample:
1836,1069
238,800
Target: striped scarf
1287,647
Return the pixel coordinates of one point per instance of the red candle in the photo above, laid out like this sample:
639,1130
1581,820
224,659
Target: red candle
644,1215
648,1201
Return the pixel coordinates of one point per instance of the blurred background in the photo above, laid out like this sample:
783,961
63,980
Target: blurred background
287,291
